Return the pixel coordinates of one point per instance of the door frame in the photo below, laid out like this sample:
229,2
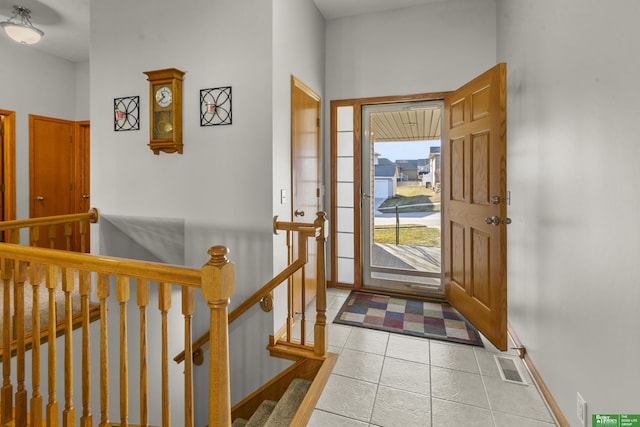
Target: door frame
357,104
82,190
9,164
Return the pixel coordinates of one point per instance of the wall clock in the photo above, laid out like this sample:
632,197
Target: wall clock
165,110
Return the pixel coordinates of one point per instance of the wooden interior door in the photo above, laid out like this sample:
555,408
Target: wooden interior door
52,182
305,200
475,222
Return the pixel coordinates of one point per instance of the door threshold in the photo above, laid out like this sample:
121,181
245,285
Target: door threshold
429,295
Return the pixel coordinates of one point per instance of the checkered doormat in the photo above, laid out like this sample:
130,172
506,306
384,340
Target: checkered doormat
425,319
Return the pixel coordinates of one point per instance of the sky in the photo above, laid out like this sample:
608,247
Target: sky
405,150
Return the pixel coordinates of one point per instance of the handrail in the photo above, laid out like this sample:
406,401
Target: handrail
92,216
305,230
154,271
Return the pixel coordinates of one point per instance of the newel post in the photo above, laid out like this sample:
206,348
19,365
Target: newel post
320,328
218,284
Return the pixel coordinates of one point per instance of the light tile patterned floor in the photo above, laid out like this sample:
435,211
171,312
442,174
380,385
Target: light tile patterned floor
384,379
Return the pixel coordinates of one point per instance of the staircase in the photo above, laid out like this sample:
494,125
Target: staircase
280,413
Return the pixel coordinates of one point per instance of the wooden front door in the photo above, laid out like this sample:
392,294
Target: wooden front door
53,185
305,186
475,220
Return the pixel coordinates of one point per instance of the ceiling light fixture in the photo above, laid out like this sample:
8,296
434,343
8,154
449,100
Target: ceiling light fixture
23,32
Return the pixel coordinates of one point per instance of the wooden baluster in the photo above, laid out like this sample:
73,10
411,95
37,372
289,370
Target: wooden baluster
122,296
164,304
6,395
52,405
34,233
103,293
52,236
142,297
218,284
14,236
86,420
188,308
290,285
302,249
36,397
320,332
69,413
83,242
68,233
303,296
20,276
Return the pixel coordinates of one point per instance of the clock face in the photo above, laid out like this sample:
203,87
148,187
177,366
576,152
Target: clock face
163,96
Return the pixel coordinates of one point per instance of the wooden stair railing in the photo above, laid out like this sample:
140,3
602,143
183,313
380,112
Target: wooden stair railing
50,270
11,229
75,227
289,346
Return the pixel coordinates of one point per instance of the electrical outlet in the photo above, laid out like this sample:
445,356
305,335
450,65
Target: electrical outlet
581,409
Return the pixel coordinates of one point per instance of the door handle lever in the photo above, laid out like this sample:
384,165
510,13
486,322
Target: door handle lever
39,198
298,213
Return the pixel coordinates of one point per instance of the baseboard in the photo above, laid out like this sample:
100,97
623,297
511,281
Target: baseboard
546,393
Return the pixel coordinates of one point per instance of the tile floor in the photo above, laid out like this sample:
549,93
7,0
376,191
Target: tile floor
383,379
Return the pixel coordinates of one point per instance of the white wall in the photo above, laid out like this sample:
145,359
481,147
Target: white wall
224,175
82,91
572,87
430,48
33,83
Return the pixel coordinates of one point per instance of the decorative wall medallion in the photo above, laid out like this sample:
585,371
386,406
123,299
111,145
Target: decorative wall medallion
126,113
215,106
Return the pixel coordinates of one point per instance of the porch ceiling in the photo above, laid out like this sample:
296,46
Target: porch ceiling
406,125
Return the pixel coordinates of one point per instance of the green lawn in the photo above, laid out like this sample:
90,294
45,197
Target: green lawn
410,234
412,195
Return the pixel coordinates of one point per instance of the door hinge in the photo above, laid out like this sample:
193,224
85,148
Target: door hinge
317,192
2,132
1,188
318,122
